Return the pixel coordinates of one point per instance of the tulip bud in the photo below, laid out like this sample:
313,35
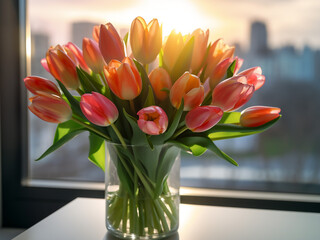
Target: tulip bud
232,93
152,120
98,109
203,118
96,33
123,78
199,48
217,52
172,49
110,43
254,76
38,86
160,79
76,55
92,55
258,115
62,67
221,70
189,88
145,39
45,64
50,108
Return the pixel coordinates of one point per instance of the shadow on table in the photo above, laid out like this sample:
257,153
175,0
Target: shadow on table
109,236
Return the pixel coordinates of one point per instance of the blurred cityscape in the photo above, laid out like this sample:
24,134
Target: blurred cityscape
286,158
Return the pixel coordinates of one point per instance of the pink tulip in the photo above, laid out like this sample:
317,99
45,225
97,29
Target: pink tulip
189,88
258,115
45,64
160,79
110,43
50,108
98,109
38,86
152,120
123,78
76,55
232,93
203,118
62,67
92,55
254,76
221,70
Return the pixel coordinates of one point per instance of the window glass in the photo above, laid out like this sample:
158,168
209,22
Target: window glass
280,36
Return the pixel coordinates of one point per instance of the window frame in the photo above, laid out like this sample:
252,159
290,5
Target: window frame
24,204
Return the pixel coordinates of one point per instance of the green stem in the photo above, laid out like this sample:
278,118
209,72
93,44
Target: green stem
103,78
79,91
115,129
132,107
91,128
181,130
124,213
146,67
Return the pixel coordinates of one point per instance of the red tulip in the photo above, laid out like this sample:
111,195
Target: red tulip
203,118
189,88
152,120
160,79
254,76
258,115
123,78
50,108
62,67
98,109
38,86
232,93
76,55
92,55
110,43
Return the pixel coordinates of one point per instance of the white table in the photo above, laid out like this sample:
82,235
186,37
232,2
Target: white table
84,219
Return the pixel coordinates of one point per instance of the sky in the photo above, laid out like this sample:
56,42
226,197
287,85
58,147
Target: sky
294,22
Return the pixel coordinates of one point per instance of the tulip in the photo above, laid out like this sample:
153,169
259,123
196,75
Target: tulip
50,108
172,49
38,86
221,70
160,79
254,76
92,55
152,120
189,88
62,67
203,118
45,64
110,43
217,52
199,48
98,109
232,93
76,55
96,33
123,78
145,39
258,115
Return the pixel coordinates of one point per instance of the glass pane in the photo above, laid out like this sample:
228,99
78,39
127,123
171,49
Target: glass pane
286,46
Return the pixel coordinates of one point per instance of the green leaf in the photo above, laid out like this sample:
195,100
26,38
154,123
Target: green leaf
183,61
138,137
230,71
161,58
97,150
225,131
125,38
150,98
230,117
140,100
65,128
61,142
205,142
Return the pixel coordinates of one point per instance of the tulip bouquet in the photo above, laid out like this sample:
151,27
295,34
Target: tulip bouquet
187,100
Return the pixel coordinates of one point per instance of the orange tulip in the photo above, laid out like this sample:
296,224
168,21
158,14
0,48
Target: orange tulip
232,93
172,49
76,55
40,86
258,115
123,78
220,71
50,108
62,67
110,43
217,52
96,33
254,76
152,120
199,49
92,55
203,118
160,79
188,87
145,39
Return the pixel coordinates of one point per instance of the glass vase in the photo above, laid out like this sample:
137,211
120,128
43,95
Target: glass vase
142,191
